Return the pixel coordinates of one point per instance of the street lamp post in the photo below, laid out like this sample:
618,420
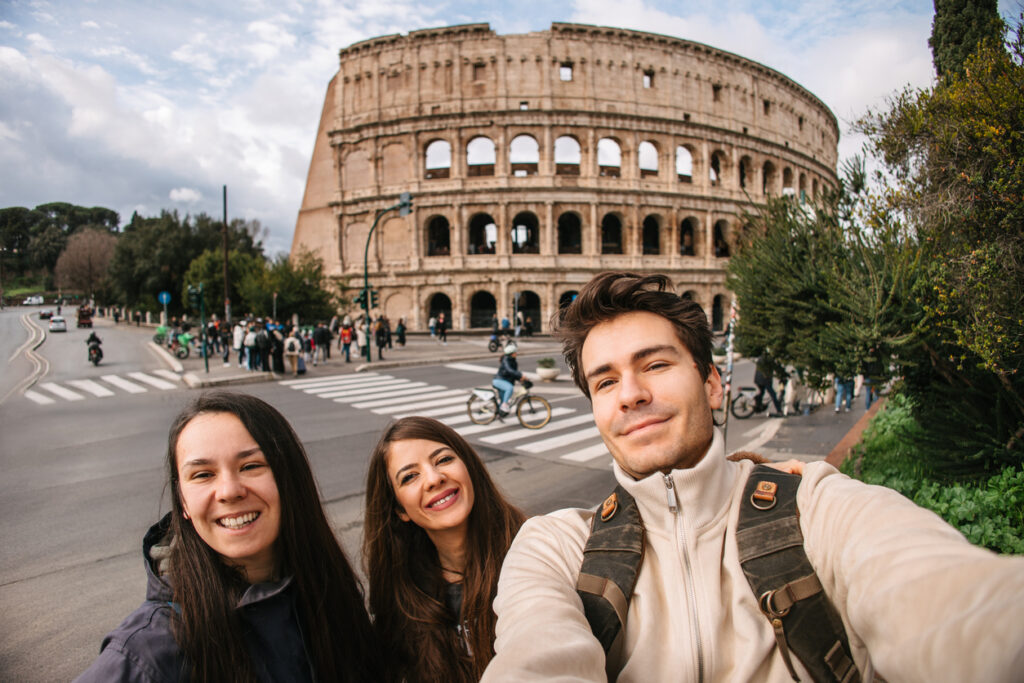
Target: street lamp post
404,207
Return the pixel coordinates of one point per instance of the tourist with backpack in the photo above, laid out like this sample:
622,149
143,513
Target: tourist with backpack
701,568
435,531
292,349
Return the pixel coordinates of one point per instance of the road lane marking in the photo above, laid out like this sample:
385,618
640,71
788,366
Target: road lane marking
124,384
97,390
38,398
404,409
151,381
313,381
562,440
373,389
413,395
168,374
61,392
513,422
351,385
586,454
553,426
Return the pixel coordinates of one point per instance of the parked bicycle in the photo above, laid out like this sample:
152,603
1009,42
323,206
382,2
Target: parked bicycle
533,411
747,403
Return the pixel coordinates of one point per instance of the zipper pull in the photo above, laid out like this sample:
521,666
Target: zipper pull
670,492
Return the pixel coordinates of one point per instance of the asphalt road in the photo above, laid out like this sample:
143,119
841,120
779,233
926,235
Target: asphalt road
83,478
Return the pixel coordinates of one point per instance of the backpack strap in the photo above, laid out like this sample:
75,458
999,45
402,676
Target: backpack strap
788,592
611,564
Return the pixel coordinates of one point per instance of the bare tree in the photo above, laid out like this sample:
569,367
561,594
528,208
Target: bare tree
83,263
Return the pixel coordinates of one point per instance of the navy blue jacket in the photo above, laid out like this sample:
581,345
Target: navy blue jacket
509,369
142,649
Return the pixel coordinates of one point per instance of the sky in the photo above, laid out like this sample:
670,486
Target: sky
143,105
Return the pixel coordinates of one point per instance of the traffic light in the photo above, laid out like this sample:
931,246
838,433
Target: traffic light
193,296
360,299
405,204
374,301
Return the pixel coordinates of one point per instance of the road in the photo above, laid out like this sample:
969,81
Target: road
83,457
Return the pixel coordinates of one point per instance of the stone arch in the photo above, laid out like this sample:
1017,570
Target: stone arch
525,233
438,303
814,187
717,167
398,305
566,298
438,236
651,235
802,187
355,241
768,178
745,172
523,155
395,164
787,182
611,234
721,238
438,155
718,313
480,156
647,159
483,234
529,306
609,158
482,308
567,156
689,295
689,229
356,169
684,164
395,243
570,233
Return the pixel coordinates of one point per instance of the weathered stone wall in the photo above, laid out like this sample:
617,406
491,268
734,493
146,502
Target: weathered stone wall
701,134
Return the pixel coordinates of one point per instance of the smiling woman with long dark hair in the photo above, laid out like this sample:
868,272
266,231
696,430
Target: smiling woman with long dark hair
436,532
246,579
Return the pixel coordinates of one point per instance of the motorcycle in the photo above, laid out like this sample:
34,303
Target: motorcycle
95,353
180,345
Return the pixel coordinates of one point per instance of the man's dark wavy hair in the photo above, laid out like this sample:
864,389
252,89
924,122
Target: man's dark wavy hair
611,294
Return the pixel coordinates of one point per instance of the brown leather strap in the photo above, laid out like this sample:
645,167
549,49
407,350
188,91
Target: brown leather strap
607,589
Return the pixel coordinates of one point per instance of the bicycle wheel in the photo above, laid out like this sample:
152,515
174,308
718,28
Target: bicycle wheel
492,345
742,407
481,411
533,412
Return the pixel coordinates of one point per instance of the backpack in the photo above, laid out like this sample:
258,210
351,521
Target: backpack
772,557
291,345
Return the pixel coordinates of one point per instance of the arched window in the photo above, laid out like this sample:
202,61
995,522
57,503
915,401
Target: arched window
689,295
609,158
647,155
715,169
482,309
438,239
569,234
611,234
744,171
523,155
721,239
566,299
652,235
527,306
483,234
684,164
803,187
718,313
768,178
787,182
525,234
439,160
480,157
440,303
814,187
567,156
687,235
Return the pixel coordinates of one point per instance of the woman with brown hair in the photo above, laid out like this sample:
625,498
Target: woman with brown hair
246,581
436,532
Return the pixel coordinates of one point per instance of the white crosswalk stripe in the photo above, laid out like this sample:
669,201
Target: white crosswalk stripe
124,384
447,406
97,390
334,379
38,398
383,387
152,381
510,420
168,374
60,392
561,440
413,395
334,390
587,454
104,386
553,426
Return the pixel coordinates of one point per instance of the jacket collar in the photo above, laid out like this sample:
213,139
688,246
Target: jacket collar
702,492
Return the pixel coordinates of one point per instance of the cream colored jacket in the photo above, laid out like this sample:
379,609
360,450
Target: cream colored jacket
918,601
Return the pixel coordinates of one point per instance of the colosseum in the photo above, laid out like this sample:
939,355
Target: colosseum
537,160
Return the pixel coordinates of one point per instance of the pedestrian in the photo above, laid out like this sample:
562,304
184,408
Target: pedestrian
292,349
433,574
263,345
874,376
251,352
894,591
117,314
321,341
307,346
442,329
528,326
432,324
276,349
345,341
506,327
400,331
361,338
380,335
333,328
764,381
246,580
225,342
844,392
237,339
387,330
138,318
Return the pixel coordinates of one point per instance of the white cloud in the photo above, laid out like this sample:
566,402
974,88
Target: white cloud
6,25
7,133
195,54
40,42
185,194
126,55
90,24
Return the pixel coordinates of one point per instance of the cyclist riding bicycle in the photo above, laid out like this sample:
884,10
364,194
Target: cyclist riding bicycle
508,375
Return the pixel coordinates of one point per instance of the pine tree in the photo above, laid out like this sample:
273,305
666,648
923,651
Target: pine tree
959,26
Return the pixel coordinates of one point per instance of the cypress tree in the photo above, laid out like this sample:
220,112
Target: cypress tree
959,26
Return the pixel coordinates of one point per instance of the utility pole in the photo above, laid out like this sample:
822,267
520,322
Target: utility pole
404,207
227,297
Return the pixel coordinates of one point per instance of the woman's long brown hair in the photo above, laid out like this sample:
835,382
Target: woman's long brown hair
406,586
335,626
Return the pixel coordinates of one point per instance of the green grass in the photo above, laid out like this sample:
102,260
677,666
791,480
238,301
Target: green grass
989,512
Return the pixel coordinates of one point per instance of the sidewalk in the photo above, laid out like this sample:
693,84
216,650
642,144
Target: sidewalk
419,350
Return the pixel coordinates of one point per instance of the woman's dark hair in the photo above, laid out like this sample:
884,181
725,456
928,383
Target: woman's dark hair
612,294
335,626
406,586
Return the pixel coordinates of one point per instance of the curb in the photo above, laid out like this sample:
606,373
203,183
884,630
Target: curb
841,450
166,357
195,381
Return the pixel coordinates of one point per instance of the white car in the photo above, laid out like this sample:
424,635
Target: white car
36,300
58,324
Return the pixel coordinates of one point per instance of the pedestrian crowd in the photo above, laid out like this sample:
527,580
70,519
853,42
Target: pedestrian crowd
697,566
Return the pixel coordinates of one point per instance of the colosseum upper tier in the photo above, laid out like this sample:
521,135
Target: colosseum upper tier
538,160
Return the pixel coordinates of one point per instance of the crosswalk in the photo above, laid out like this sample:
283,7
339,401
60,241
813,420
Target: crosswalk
570,435
104,386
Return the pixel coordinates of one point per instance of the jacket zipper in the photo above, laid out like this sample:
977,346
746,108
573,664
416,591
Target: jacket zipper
670,492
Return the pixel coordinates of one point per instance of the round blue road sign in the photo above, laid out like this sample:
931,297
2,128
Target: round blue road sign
164,298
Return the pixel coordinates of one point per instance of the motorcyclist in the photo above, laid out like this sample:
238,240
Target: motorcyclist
94,340
508,375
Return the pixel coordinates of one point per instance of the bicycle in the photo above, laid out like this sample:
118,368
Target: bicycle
497,341
533,411
747,403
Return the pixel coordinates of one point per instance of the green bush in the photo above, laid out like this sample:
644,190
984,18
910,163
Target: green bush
989,512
